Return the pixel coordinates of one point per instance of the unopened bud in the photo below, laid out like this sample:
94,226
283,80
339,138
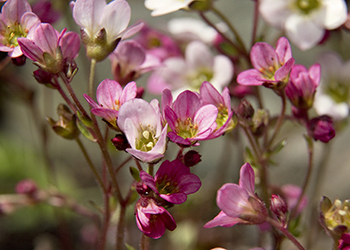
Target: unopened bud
120,142
260,121
42,76
19,61
279,208
245,110
139,92
322,128
192,158
27,187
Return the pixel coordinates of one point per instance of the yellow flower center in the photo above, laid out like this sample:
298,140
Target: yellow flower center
306,6
146,139
12,33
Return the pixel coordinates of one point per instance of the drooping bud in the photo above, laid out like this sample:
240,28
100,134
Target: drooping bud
279,208
260,121
120,142
19,61
321,128
66,125
43,77
245,109
26,186
192,158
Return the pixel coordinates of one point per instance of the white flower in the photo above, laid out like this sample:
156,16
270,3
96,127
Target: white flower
304,21
161,7
190,29
199,65
333,95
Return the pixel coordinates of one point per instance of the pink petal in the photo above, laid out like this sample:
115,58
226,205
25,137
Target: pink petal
30,50
263,56
222,220
108,92
247,179
283,50
250,77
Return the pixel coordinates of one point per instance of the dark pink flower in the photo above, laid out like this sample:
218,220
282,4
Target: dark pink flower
239,203
291,194
344,242
152,220
172,182
43,9
271,66
189,120
302,85
110,97
322,128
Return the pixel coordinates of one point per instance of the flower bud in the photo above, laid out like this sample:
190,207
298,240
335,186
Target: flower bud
42,76
66,126
120,142
321,128
19,61
26,186
192,158
279,207
245,109
260,121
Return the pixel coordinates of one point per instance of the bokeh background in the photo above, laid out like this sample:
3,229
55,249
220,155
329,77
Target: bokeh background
22,114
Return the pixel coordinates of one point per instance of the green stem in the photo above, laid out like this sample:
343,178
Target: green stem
280,119
233,30
310,150
255,21
91,165
283,230
91,78
121,226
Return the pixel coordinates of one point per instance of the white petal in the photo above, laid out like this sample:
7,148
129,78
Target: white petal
275,12
223,72
324,105
336,13
303,31
198,55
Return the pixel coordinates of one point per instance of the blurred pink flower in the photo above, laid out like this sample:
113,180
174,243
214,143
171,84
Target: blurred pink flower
321,128
172,182
239,203
44,10
141,123
151,219
129,60
16,20
291,193
110,97
189,120
271,66
199,65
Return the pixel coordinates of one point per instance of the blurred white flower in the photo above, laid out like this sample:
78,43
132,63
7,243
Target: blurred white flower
332,96
304,21
161,7
188,29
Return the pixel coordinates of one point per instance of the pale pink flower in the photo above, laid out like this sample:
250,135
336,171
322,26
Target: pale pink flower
224,121
151,219
172,182
103,25
239,203
16,20
110,97
304,22
141,123
292,193
271,66
189,120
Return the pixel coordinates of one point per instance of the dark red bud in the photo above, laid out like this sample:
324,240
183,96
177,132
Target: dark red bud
120,142
192,158
26,187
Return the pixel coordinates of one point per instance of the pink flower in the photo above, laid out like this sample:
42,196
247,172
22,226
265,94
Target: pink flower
151,219
239,203
172,182
344,242
110,97
48,48
271,66
291,193
16,20
129,60
302,85
189,120
102,25
141,123
44,10
210,95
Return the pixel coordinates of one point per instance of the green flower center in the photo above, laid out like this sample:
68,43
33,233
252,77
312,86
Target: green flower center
146,139
186,129
338,91
222,116
338,214
12,33
202,75
306,6
166,186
